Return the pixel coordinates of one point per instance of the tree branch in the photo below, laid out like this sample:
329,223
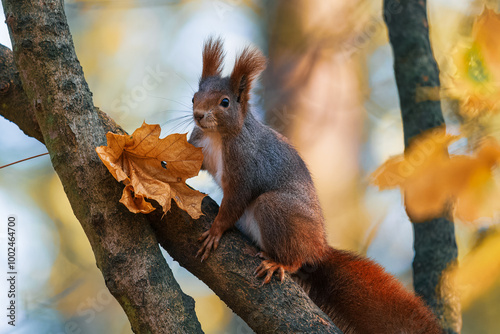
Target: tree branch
417,78
127,253
272,308
124,245
14,100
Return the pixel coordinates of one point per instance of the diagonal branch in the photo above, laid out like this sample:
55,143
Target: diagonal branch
124,244
127,254
417,78
16,106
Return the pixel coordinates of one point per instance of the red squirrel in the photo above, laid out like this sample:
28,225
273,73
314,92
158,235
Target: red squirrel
269,194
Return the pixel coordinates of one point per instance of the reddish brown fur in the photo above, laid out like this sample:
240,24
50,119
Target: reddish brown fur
265,180
360,297
286,241
247,67
213,56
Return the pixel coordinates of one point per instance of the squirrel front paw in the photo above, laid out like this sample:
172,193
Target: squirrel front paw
210,241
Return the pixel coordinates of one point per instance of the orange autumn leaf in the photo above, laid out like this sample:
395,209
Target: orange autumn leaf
428,149
154,168
485,33
476,80
431,180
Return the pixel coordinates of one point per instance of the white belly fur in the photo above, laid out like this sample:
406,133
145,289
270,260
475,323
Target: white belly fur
211,144
249,226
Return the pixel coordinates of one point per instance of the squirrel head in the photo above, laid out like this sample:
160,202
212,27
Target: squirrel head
221,103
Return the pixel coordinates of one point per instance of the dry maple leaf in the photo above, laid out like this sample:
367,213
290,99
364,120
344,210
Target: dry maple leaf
431,180
154,168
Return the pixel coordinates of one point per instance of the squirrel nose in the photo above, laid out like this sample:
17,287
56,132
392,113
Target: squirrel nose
198,116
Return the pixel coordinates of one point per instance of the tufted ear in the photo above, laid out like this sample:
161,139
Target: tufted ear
249,64
213,56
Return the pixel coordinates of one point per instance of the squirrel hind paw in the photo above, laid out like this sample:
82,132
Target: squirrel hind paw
268,267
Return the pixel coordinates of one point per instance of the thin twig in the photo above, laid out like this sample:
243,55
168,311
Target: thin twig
16,162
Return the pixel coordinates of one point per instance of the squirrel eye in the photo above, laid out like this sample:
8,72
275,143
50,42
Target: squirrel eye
192,100
225,102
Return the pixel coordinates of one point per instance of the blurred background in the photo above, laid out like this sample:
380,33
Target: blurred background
329,87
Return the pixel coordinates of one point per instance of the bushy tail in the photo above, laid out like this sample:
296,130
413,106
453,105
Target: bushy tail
360,297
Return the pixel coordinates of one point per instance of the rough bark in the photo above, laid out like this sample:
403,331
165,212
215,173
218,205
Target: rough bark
58,110
417,78
128,255
272,308
13,98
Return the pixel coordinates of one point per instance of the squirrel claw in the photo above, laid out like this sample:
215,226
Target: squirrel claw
209,242
204,235
267,268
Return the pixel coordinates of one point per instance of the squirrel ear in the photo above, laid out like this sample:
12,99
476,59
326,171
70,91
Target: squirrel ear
213,55
249,64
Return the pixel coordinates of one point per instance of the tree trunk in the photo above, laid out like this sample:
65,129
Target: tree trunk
417,78
127,253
